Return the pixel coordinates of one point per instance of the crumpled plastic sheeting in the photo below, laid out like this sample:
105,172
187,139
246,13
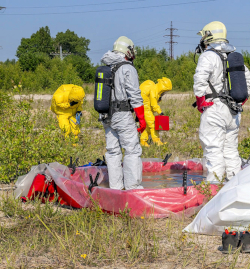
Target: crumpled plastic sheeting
24,183
142,202
156,165
74,188
229,208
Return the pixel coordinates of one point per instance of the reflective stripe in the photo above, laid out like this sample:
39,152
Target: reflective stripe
228,75
99,88
217,31
122,43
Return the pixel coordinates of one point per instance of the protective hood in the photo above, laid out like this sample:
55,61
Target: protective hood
163,86
76,94
222,47
112,58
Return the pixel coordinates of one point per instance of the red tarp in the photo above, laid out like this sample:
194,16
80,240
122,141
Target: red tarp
142,202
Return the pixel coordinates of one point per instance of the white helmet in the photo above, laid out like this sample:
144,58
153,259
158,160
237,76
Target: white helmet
214,32
126,46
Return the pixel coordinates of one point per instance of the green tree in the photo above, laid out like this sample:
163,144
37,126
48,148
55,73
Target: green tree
85,69
71,43
35,50
150,63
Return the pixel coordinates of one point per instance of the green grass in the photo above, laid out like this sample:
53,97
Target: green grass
49,236
29,134
35,235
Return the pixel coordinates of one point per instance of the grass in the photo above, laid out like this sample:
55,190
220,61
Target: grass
36,235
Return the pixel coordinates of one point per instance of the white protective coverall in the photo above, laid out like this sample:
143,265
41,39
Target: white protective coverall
122,131
219,129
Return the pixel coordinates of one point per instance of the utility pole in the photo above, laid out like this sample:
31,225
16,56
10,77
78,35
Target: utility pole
61,54
171,42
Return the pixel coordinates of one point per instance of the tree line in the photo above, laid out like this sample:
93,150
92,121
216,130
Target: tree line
40,69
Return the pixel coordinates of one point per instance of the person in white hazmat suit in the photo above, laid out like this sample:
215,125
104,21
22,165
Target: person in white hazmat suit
219,129
121,132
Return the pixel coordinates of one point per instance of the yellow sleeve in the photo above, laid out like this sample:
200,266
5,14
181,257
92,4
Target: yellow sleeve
153,101
79,107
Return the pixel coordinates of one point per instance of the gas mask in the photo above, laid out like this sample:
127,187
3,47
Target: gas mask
202,46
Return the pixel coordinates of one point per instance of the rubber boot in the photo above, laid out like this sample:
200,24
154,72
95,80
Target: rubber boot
155,137
157,141
245,242
230,241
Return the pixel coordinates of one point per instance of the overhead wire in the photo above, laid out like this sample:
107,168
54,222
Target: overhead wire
107,10
96,4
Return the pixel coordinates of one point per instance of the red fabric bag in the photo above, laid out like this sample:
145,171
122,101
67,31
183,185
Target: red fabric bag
42,188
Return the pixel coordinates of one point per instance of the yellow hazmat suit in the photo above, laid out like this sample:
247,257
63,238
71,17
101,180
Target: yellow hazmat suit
65,112
151,94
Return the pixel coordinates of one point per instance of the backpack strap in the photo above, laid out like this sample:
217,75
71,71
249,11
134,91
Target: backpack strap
114,69
236,68
224,78
117,106
107,81
117,66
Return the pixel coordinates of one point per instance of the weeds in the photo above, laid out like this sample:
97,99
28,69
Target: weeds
75,236
29,134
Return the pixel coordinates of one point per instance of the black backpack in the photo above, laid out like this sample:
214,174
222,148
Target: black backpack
104,83
237,84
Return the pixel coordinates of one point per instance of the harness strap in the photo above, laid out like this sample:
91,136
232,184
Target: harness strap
236,68
118,106
107,81
117,66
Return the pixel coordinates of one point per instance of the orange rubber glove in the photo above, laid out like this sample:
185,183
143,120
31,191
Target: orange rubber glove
139,112
201,103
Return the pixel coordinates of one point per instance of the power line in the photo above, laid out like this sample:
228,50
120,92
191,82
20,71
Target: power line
99,4
171,42
228,31
107,10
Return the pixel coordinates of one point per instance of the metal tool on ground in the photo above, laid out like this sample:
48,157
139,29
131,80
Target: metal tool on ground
184,184
93,183
165,161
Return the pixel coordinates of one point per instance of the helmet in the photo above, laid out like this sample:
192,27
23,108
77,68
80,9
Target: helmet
163,85
126,46
214,32
76,94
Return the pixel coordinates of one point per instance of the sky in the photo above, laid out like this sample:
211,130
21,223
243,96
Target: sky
143,21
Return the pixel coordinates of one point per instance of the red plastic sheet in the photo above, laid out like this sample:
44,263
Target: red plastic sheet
154,165
143,202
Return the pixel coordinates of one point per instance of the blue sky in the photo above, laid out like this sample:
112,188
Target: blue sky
144,21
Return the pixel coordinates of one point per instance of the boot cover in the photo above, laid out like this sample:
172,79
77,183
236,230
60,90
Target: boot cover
157,141
245,241
230,241
144,143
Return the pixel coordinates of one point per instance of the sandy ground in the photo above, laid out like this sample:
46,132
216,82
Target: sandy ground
90,97
46,97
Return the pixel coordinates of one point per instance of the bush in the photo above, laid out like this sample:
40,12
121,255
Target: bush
46,78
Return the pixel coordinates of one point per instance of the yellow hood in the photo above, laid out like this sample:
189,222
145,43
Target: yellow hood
163,86
76,94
